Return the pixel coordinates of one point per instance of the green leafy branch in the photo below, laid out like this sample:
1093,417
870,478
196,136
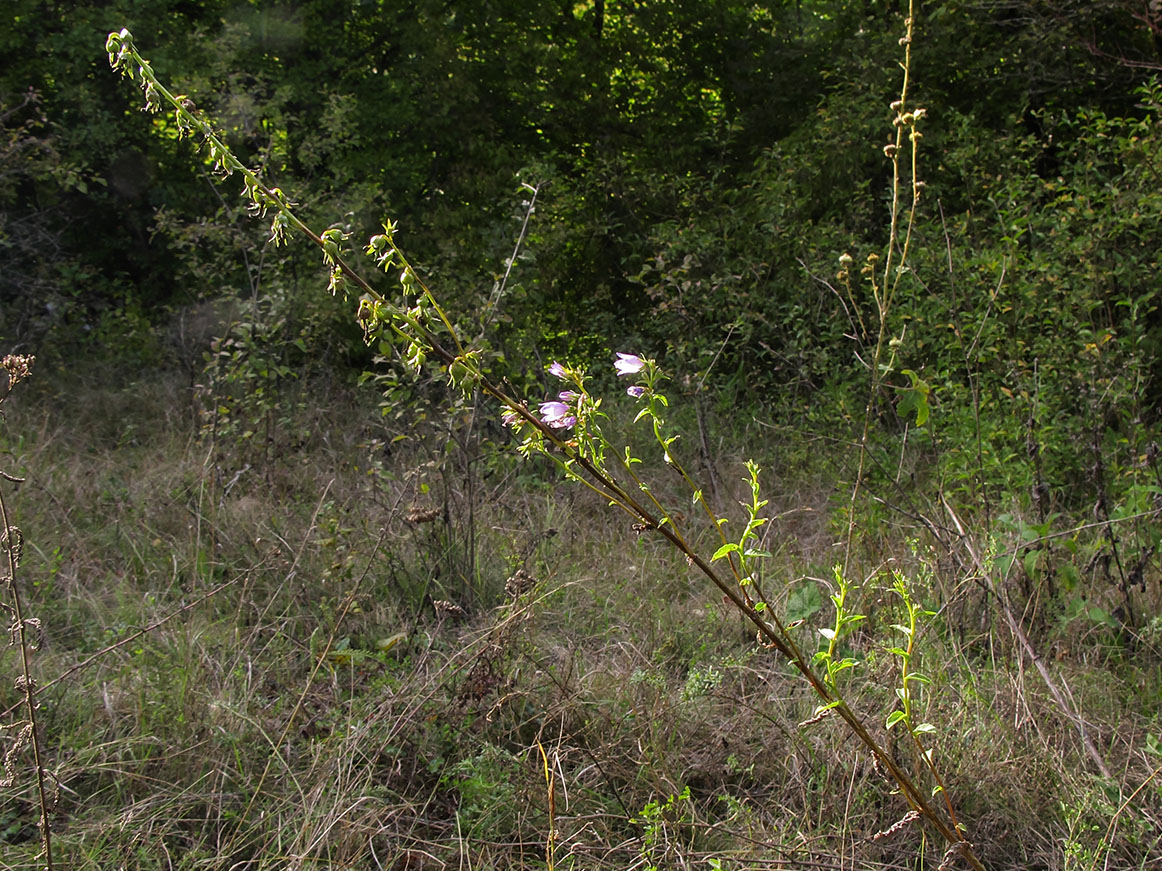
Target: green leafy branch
911,680
845,620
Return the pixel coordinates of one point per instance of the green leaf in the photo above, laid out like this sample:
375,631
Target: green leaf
1101,615
1029,561
804,602
1004,563
914,399
1154,745
893,718
729,547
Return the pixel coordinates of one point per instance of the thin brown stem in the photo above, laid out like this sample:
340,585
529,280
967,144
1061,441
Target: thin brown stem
27,684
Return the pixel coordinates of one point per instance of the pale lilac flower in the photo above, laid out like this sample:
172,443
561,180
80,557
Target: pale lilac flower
557,415
558,369
568,395
628,364
636,391
511,417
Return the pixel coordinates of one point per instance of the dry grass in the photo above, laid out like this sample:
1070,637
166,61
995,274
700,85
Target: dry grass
240,702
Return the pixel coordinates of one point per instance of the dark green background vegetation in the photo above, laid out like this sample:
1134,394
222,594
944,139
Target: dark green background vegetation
700,167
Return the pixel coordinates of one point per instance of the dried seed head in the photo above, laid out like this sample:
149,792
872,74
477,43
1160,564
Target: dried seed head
18,742
820,716
23,683
443,606
18,367
902,822
519,584
951,853
423,515
12,542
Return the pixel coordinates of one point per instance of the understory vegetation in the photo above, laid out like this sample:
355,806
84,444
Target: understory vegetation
719,435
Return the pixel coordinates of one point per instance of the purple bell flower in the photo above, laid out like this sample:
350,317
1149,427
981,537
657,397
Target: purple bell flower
628,364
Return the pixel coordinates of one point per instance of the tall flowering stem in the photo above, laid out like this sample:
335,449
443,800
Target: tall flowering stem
884,282
565,427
